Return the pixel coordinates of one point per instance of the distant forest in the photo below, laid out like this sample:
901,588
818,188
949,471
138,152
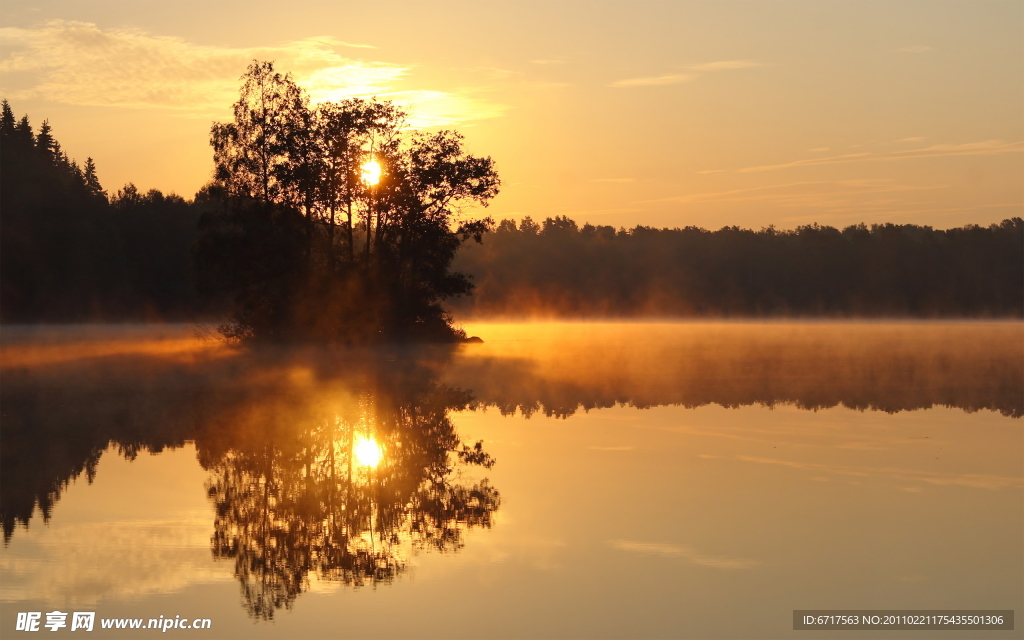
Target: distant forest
557,268
71,252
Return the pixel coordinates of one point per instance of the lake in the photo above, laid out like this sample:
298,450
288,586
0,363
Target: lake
560,480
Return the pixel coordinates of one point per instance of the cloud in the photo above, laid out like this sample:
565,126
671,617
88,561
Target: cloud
813,193
676,78
984,148
654,80
355,46
166,556
867,199
914,49
79,63
579,213
724,65
496,73
684,552
437,108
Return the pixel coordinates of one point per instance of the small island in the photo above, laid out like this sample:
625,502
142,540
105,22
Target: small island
336,223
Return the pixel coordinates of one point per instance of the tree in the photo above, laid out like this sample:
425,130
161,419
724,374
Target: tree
92,181
69,254
293,498
336,223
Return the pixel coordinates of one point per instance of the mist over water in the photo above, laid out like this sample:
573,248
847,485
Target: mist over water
531,477
559,367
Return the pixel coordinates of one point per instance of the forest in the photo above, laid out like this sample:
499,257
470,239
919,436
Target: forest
69,252
559,269
307,246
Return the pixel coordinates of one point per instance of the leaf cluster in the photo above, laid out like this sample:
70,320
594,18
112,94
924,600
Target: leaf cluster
311,248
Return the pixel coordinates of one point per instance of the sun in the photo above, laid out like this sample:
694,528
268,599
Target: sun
367,452
371,172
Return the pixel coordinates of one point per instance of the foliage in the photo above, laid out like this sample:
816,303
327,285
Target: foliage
561,269
67,253
283,242
307,246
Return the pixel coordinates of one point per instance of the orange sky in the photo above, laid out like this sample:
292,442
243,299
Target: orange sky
661,113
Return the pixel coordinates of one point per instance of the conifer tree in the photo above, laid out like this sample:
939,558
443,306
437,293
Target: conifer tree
45,143
92,181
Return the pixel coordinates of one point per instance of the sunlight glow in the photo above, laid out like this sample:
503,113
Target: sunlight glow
367,452
371,172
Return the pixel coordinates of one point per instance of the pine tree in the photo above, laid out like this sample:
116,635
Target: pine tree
92,182
23,138
7,123
45,142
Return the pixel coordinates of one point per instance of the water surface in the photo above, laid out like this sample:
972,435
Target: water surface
560,480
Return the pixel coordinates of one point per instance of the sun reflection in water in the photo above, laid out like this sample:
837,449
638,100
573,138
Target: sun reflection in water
367,452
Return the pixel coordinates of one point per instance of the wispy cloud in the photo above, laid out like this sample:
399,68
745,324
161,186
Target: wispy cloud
808,201
80,63
814,193
676,78
685,553
984,148
654,81
437,108
490,72
355,46
914,49
583,213
723,65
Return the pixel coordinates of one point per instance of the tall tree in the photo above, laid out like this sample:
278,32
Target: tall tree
92,181
289,177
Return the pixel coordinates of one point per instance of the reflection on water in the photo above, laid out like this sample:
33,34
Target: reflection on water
302,487
342,471
340,468
560,367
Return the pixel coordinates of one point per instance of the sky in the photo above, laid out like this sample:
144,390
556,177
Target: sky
666,114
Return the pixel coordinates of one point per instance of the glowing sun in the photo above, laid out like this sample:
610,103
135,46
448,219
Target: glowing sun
367,452
371,172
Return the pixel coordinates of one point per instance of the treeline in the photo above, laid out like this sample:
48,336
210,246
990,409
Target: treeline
68,252
558,268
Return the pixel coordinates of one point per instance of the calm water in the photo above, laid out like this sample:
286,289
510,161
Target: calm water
631,480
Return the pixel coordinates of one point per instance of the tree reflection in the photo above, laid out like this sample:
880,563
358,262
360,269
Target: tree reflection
293,496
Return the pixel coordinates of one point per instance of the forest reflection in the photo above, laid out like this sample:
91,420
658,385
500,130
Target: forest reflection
346,489
316,471
340,466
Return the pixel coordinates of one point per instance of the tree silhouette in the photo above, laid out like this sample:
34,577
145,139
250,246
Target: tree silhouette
296,244
336,222
559,268
67,254
293,498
